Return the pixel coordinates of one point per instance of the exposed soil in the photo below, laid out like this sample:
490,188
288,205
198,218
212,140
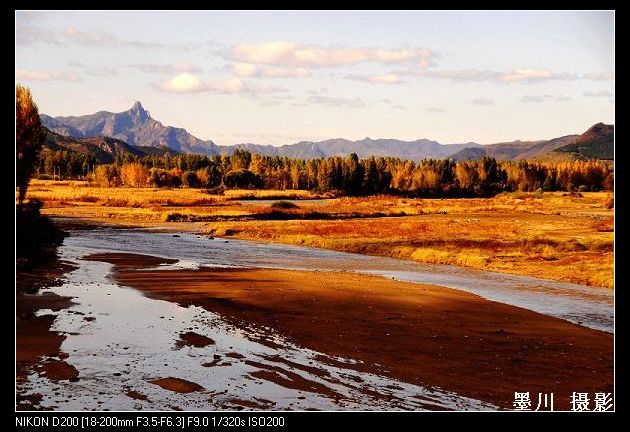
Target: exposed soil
421,334
177,385
193,339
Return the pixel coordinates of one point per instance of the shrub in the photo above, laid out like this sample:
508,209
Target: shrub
175,177
242,179
284,205
190,179
175,217
582,188
549,253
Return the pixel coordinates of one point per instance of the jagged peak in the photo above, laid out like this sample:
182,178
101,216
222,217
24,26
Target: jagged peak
137,106
138,112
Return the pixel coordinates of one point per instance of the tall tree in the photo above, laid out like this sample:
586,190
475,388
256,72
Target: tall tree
29,136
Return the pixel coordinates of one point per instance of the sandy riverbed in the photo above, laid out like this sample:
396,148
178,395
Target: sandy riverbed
420,334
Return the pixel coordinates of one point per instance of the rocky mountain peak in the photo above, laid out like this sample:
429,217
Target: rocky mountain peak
138,112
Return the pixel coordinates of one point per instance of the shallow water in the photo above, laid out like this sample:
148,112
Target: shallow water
587,306
120,340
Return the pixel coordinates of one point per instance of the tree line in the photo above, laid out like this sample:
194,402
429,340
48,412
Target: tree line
351,175
64,164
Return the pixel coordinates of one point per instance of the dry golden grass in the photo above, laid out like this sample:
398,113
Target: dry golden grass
553,235
236,194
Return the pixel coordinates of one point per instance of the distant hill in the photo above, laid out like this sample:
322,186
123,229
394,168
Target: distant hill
515,150
414,150
138,129
134,126
53,125
596,143
104,149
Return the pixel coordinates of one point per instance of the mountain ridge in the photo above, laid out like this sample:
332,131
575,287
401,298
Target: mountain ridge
137,128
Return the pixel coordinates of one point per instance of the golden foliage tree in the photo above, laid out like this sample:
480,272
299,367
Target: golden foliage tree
29,136
134,175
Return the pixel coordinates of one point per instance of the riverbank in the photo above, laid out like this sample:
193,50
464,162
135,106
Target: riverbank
420,334
552,235
37,347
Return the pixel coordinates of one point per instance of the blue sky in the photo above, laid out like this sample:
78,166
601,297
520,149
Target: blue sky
281,77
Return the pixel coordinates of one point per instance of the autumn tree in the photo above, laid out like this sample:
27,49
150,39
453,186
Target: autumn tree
29,136
350,175
134,175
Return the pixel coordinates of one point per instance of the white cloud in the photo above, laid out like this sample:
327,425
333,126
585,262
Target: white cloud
377,79
251,70
599,94
101,39
533,75
544,98
183,83
189,83
245,69
511,77
229,86
482,101
166,68
459,75
434,110
34,75
318,56
89,38
398,107
334,101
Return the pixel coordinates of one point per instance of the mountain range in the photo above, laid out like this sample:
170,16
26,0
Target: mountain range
106,134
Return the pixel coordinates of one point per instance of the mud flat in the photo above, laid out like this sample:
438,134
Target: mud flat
421,334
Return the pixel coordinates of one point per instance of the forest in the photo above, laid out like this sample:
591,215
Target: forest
349,175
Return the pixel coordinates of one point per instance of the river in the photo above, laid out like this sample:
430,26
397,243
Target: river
119,340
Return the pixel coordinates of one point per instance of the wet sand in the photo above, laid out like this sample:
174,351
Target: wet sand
420,334
177,385
34,338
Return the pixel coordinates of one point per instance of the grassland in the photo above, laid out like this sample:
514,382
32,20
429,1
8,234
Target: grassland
551,235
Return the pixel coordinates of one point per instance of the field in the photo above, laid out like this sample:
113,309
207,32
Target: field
561,236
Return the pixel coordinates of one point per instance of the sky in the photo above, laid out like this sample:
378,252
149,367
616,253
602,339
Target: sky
273,77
